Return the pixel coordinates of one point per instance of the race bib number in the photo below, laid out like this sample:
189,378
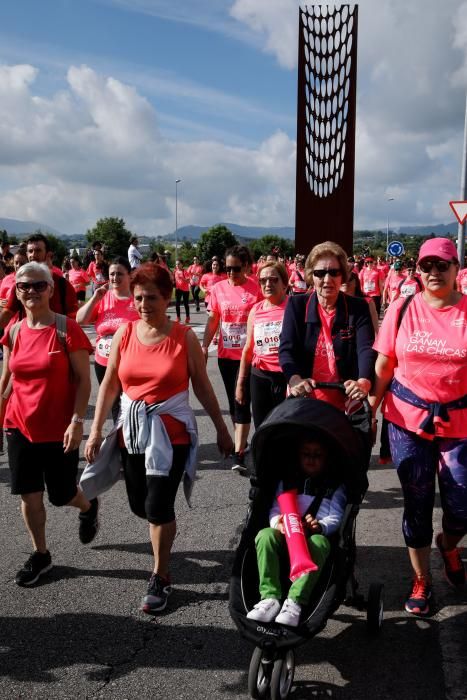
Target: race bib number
233,335
300,284
194,279
369,286
267,337
407,291
103,346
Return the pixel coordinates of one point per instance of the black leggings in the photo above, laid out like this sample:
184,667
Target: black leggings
240,413
268,390
100,372
195,290
179,295
153,497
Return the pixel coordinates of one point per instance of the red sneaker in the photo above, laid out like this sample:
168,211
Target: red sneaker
417,602
453,565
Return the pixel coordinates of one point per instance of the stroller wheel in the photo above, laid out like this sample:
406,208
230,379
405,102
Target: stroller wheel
375,608
259,674
282,676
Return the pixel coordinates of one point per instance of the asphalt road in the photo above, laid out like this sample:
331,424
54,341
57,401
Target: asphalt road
79,633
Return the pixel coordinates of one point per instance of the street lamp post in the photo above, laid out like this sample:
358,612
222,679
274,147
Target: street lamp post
176,217
391,199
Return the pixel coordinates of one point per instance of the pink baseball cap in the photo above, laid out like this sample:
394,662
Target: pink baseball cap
438,248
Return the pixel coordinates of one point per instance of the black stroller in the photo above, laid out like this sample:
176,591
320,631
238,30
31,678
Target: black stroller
349,441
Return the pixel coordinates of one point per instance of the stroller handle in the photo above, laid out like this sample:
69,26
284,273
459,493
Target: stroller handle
340,386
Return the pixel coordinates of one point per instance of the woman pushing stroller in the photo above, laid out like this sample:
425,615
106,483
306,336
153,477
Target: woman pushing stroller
321,501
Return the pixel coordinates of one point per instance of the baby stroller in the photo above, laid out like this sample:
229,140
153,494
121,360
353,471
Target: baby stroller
348,439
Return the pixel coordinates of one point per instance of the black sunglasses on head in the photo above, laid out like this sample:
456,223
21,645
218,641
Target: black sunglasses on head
233,268
441,265
332,272
35,286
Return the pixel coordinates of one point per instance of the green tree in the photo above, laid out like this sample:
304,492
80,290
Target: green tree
185,252
215,241
264,245
112,232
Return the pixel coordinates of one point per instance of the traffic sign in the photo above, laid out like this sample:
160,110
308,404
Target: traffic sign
460,210
395,248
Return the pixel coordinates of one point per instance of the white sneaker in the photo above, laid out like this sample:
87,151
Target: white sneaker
290,613
265,611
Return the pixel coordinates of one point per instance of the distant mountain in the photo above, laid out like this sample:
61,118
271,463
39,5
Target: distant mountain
15,227
438,229
192,233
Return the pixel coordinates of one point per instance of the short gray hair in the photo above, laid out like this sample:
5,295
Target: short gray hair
35,268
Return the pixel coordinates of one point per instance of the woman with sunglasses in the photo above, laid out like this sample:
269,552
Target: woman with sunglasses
230,303
327,336
45,385
421,372
259,366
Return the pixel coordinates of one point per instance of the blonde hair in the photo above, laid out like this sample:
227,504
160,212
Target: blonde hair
322,250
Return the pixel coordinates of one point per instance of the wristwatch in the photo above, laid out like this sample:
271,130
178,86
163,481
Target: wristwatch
77,419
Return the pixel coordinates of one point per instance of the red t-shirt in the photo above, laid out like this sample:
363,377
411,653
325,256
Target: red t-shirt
431,352
181,280
324,364
297,280
391,286
208,280
108,315
233,303
155,373
42,401
195,272
7,285
97,275
370,282
267,328
71,303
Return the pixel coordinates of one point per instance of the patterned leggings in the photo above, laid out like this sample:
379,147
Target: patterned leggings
417,461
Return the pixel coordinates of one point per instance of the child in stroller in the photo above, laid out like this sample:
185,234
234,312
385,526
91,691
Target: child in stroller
321,501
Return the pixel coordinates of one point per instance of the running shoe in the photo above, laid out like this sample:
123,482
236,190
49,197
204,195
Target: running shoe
290,613
159,590
453,564
187,321
37,564
384,460
417,602
89,523
265,611
239,465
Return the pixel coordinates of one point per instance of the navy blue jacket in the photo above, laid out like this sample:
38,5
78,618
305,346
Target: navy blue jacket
352,337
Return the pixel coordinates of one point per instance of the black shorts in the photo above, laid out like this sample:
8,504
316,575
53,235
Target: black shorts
240,413
35,466
153,497
81,295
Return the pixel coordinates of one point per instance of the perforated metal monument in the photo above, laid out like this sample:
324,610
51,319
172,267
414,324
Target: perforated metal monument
327,76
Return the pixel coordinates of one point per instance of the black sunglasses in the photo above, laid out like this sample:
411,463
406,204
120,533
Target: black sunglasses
441,265
233,268
35,286
332,272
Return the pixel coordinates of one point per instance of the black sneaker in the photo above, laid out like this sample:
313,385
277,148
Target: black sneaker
89,523
36,565
159,590
239,465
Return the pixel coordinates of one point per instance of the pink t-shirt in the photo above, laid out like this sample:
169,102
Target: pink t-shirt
208,280
7,283
461,281
108,315
181,280
267,328
409,287
370,282
96,274
42,401
383,268
391,286
233,303
78,279
431,353
298,282
195,272
324,365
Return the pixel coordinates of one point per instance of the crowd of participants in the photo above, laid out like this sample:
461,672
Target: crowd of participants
391,331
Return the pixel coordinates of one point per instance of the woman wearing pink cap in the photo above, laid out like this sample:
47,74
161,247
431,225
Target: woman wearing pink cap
421,372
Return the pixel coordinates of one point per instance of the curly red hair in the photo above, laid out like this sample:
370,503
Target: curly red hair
151,273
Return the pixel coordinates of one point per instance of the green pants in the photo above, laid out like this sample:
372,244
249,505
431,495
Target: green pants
271,550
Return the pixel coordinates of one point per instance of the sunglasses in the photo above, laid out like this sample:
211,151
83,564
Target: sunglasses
428,265
332,272
233,268
35,286
272,279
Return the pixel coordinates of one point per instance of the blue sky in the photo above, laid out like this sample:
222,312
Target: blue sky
104,103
